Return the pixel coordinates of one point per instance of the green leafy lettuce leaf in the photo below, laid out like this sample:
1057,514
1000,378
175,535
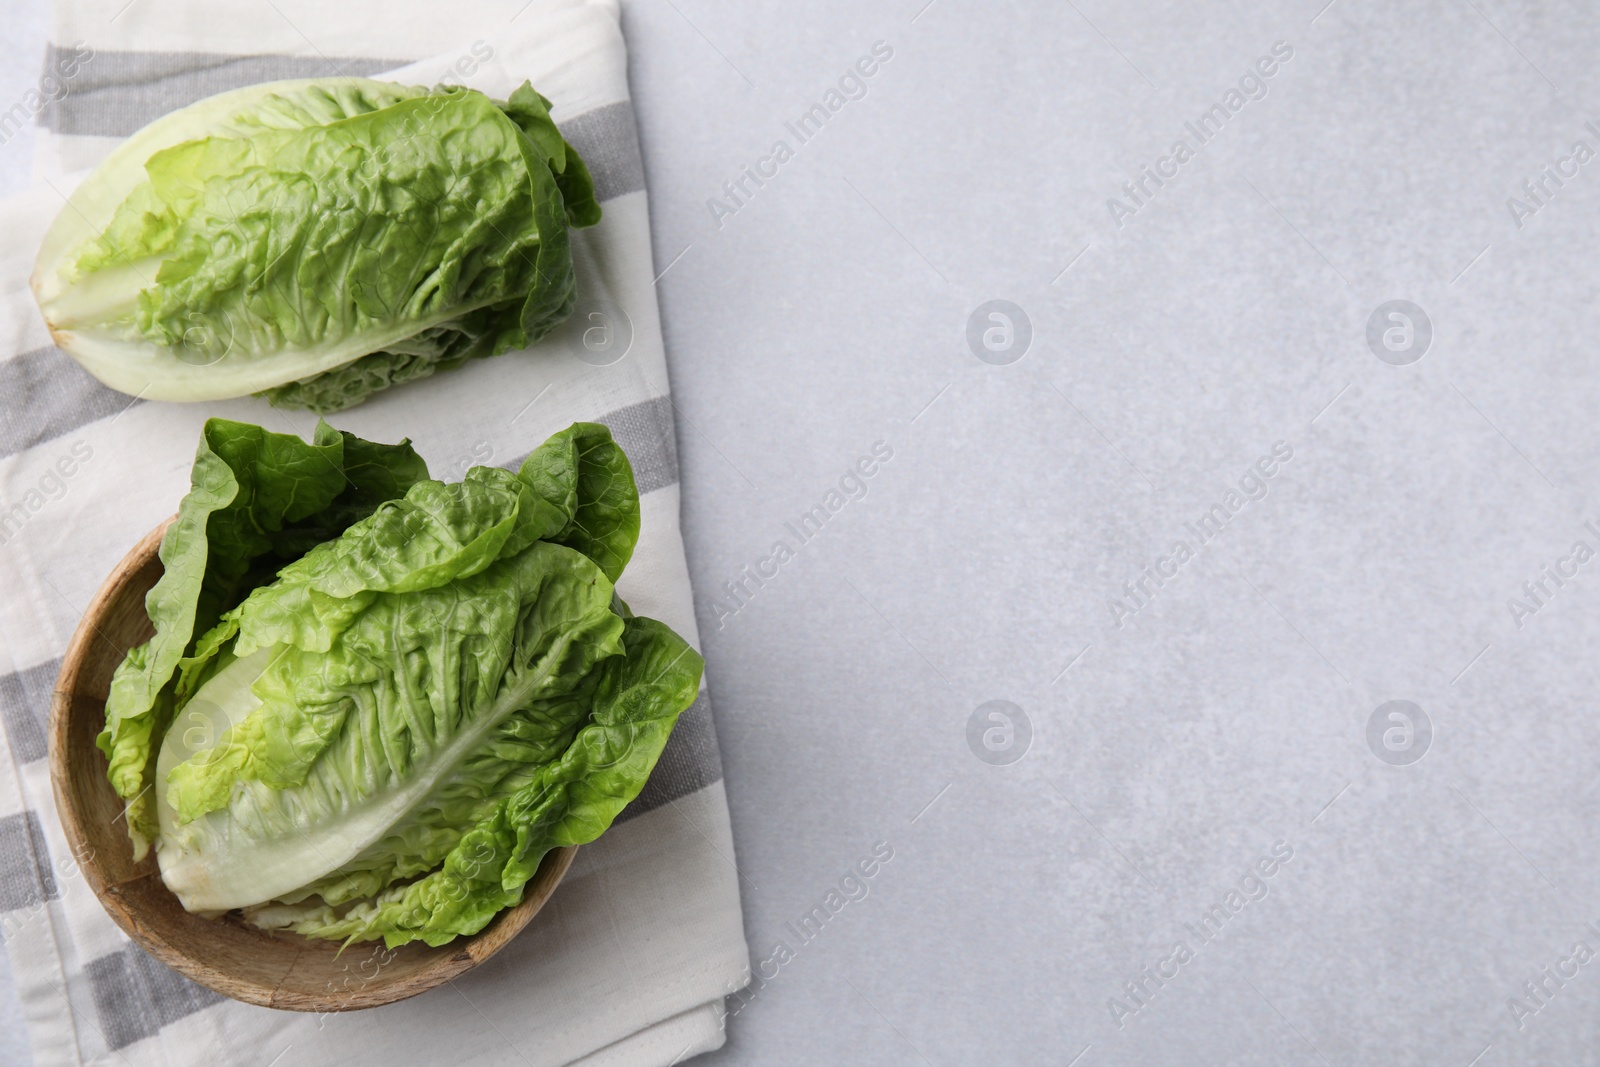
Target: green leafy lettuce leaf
587,476
257,499
567,801
343,741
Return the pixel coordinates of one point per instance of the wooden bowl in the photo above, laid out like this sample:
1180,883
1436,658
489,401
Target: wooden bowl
273,970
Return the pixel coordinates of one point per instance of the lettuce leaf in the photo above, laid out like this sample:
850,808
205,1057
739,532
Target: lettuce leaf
568,801
345,741
257,499
587,476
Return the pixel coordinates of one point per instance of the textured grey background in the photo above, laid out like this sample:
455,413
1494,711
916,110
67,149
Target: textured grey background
1231,713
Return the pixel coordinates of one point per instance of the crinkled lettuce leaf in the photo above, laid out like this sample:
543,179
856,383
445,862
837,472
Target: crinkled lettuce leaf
588,476
568,801
317,241
345,741
257,500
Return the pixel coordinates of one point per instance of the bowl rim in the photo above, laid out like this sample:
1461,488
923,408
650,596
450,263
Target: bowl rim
454,958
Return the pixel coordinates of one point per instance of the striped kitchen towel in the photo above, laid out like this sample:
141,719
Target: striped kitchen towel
630,961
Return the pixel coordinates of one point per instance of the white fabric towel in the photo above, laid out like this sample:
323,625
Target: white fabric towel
629,962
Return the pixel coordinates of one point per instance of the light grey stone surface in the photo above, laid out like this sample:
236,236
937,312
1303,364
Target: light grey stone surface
1229,711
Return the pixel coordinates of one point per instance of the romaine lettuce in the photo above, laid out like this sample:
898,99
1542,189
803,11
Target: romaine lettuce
384,737
315,241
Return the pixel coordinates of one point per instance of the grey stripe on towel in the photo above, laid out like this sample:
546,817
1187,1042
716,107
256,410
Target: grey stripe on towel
135,996
44,393
645,432
608,140
115,93
26,876
25,709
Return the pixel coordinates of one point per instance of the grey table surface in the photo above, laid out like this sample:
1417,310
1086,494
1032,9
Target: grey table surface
1087,876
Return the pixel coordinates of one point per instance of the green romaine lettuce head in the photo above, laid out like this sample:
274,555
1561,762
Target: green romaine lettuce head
384,734
316,241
